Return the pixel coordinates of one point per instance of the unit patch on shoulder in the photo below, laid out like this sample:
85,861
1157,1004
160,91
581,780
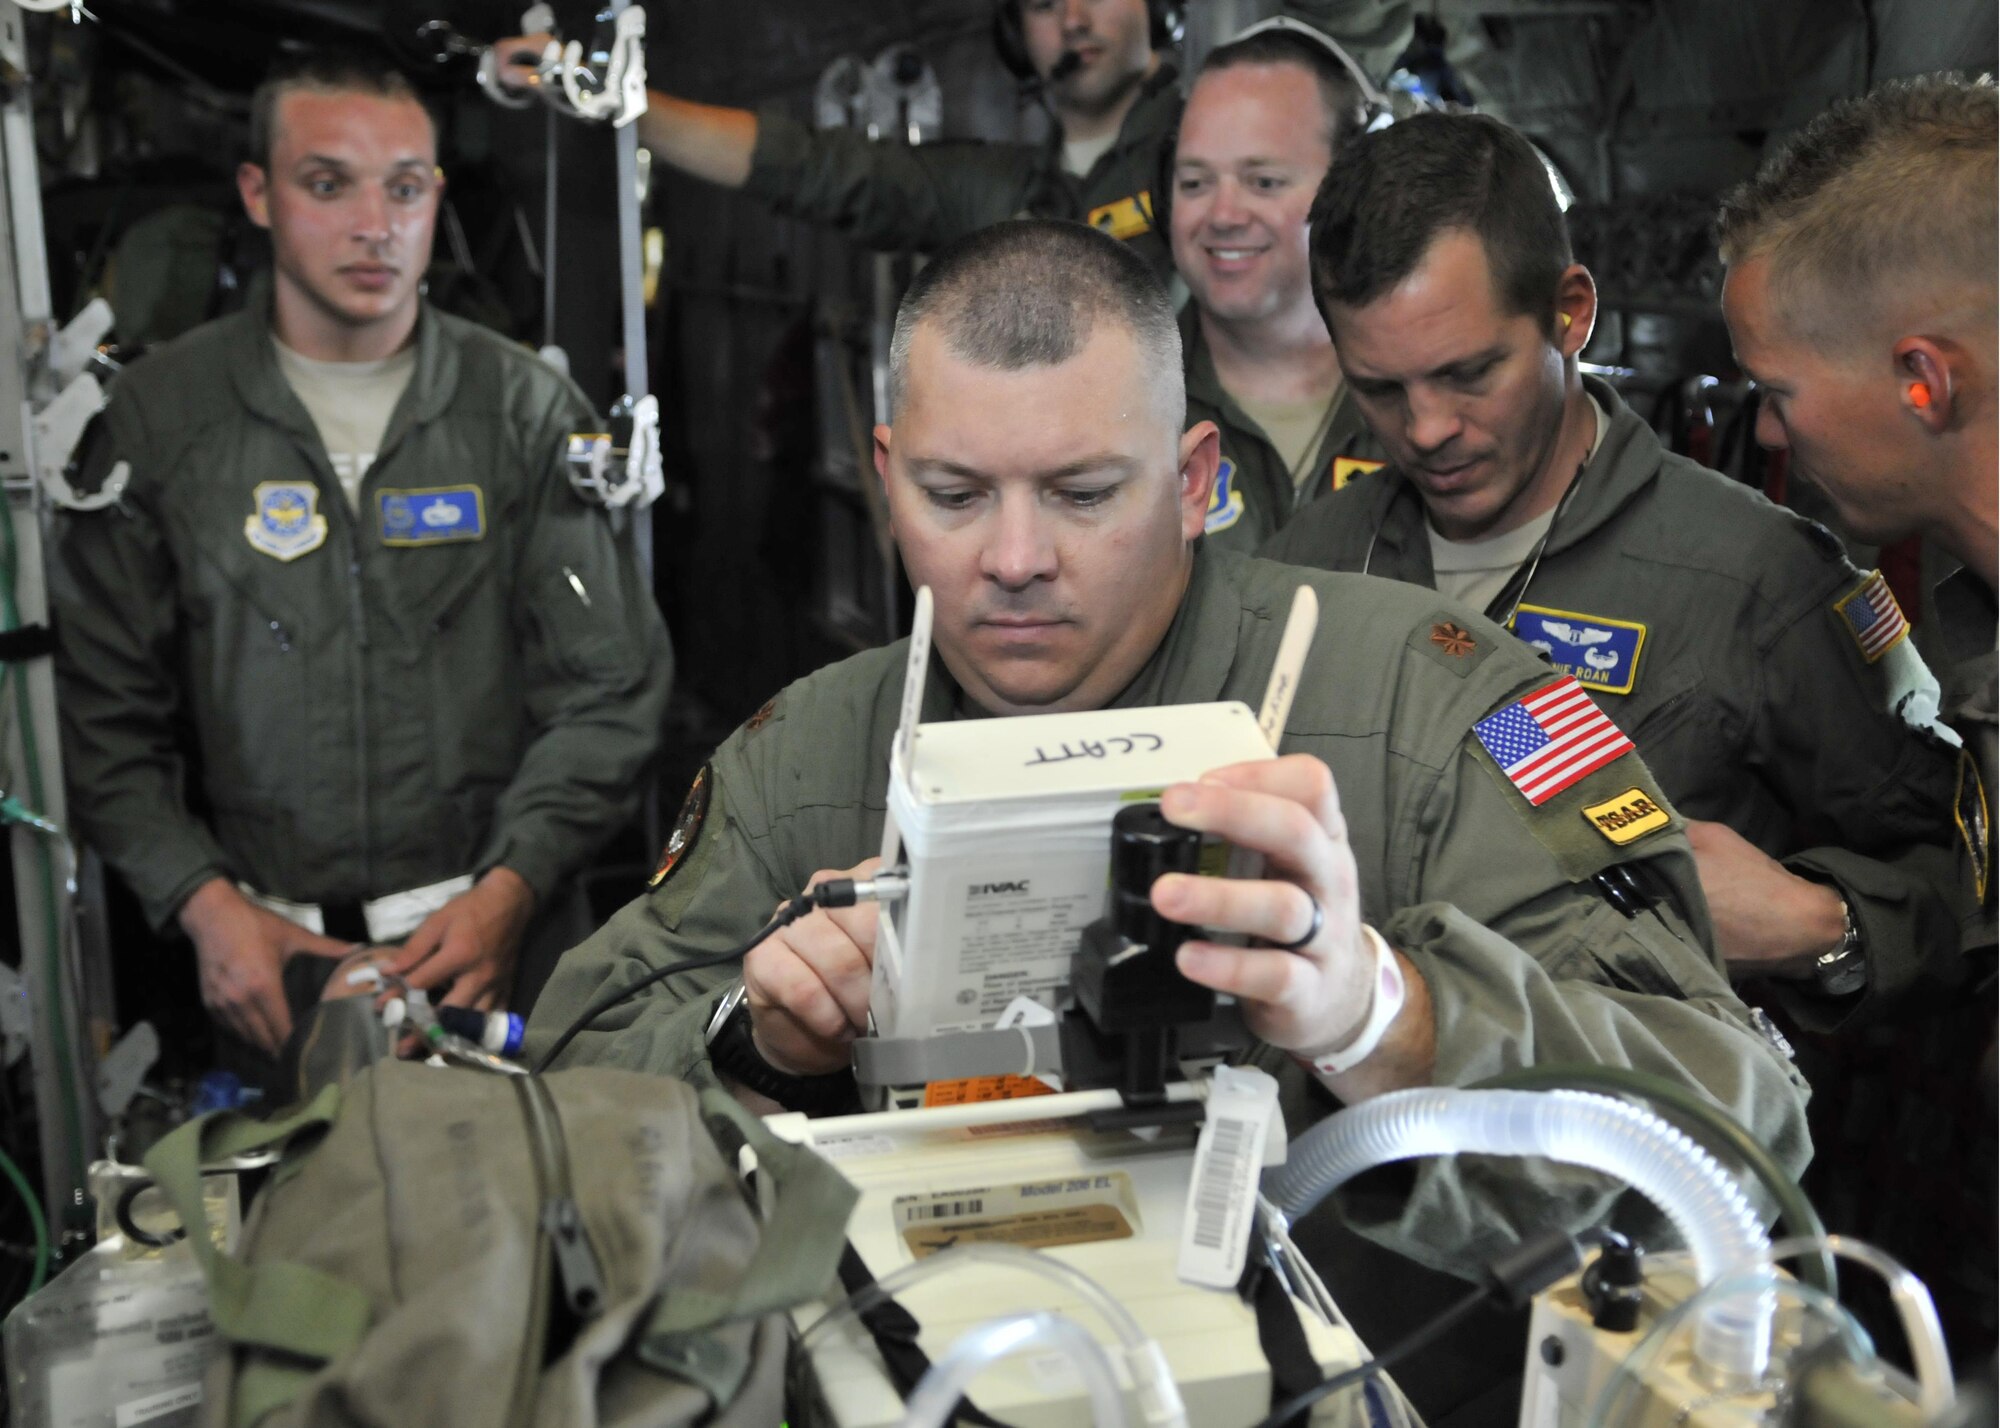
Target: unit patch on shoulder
1225,502
1551,739
1124,217
285,522
1346,468
1628,817
1974,817
1872,616
432,515
686,829
1600,653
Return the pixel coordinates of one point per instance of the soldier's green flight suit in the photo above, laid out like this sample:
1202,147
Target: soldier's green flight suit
1967,616
1708,622
1487,895
897,196
255,681
1254,492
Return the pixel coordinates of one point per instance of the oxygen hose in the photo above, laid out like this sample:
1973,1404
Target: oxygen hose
1700,1199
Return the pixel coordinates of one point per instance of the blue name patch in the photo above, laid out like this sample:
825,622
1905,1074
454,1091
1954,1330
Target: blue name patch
437,515
1601,654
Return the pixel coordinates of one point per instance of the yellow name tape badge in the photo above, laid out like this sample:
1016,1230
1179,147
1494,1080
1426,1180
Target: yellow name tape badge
1125,217
1346,468
1628,817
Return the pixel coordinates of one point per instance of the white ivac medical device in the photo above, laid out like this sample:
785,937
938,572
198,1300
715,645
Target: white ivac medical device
1005,827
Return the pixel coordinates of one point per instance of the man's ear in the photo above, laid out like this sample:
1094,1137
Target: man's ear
1925,371
253,185
1576,309
883,435
1200,456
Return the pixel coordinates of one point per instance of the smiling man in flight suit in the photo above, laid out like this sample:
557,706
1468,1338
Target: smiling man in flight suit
349,660
1770,686
1258,359
1042,486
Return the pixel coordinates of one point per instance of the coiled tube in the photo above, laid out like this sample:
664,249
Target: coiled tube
1699,1197
938,1392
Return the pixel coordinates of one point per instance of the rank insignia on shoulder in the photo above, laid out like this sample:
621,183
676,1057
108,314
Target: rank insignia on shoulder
1124,217
1599,653
1346,468
1225,502
1454,639
1551,739
1974,817
1870,613
762,716
432,515
286,522
1628,817
686,829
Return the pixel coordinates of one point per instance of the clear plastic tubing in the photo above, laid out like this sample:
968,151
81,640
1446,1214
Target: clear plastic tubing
938,1392
1701,1199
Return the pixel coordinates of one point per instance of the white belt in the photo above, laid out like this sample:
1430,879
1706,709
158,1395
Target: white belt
389,919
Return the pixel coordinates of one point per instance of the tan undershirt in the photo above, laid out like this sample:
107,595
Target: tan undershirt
1079,156
350,404
1295,428
1474,571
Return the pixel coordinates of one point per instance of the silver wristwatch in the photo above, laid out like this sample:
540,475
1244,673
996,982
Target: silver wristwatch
1843,971
726,1008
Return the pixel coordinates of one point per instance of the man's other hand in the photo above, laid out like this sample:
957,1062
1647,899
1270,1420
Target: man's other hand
471,942
241,950
807,984
1316,999
1769,921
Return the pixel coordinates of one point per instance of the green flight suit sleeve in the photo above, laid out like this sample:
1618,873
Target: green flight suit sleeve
1528,964
709,902
886,195
1853,743
598,666
114,606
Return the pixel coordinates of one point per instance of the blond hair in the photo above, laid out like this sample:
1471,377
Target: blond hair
1876,201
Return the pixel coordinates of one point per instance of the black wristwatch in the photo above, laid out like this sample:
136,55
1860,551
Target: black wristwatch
733,1052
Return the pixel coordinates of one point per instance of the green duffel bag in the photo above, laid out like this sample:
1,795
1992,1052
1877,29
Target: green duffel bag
452,1247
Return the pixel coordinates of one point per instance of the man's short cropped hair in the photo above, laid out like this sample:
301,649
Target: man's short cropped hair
1028,293
1346,110
1876,198
323,72
1391,194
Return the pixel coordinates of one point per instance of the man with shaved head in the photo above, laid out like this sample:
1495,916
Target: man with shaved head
1426,917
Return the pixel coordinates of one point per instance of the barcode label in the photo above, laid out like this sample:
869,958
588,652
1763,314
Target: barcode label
1222,1191
1217,1190
945,1210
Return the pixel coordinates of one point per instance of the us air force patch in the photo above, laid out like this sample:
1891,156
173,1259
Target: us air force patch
686,829
286,522
1225,502
1974,817
1872,616
434,515
1598,653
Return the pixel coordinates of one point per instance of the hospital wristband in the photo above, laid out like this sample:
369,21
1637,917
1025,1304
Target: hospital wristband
1387,993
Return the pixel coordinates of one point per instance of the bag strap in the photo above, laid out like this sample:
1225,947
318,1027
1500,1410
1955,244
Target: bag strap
798,1248
894,1330
293,1308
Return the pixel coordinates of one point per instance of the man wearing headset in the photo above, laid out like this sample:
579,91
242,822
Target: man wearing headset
1258,360
1099,65
1769,684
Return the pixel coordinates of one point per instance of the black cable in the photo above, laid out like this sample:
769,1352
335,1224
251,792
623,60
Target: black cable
791,912
1409,1344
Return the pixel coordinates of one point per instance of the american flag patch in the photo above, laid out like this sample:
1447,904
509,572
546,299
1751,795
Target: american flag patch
1873,617
1551,739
